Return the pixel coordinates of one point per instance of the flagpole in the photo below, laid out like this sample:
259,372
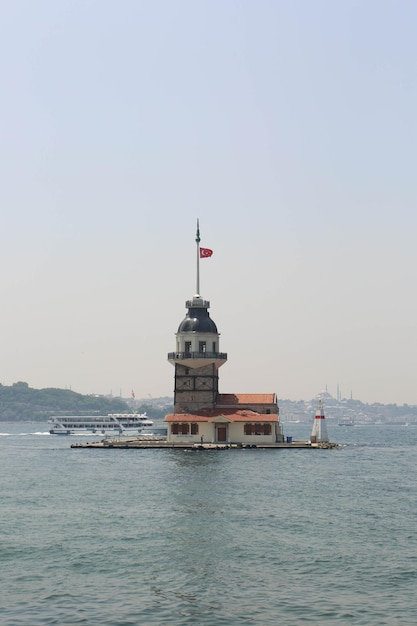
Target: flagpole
197,240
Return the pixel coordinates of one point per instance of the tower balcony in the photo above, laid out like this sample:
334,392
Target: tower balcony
197,303
197,359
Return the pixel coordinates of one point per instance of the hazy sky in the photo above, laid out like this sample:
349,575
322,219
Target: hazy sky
288,127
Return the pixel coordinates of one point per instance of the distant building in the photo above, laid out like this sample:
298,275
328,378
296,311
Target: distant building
201,413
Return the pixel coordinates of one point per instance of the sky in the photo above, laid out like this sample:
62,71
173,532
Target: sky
287,127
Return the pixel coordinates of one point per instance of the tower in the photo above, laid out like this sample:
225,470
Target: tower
319,432
197,357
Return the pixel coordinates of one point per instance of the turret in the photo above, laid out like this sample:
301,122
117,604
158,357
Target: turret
197,338
197,356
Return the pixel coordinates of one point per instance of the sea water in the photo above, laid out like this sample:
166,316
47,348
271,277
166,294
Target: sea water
172,537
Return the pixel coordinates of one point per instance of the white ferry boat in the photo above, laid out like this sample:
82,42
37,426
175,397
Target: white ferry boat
346,421
121,423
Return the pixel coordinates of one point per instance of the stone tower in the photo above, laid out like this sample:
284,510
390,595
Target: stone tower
197,357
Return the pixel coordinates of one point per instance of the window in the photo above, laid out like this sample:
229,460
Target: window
180,429
188,346
194,429
202,346
214,347
257,429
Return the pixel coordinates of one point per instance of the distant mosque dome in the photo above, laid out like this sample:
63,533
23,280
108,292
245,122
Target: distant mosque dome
324,395
197,320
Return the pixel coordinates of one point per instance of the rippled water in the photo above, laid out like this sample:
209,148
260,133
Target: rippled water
118,537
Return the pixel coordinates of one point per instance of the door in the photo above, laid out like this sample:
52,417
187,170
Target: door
221,433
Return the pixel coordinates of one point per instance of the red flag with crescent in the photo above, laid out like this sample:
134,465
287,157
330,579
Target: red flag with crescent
205,253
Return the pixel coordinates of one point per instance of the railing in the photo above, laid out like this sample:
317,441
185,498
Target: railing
197,304
172,356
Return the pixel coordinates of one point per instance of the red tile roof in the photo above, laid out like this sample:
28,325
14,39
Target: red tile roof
235,416
246,398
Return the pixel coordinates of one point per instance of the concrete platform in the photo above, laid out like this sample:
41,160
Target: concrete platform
146,444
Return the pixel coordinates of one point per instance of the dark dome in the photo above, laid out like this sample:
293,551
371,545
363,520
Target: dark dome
197,320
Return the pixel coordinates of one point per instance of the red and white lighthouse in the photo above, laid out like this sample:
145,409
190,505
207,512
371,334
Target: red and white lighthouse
319,432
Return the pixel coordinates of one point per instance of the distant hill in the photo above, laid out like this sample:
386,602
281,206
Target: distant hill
156,408
340,410
19,402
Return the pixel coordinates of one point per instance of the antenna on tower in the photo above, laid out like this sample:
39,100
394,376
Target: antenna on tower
197,240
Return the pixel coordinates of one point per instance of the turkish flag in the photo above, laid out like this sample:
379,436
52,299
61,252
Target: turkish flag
205,252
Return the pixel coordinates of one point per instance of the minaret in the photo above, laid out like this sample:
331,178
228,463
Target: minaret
319,432
197,357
